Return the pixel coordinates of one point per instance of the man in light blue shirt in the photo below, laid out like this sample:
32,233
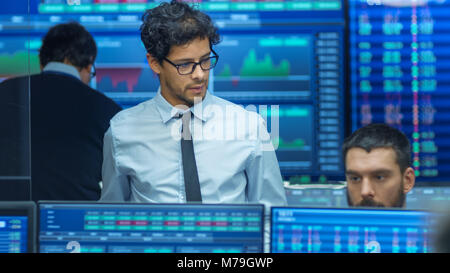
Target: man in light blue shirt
143,159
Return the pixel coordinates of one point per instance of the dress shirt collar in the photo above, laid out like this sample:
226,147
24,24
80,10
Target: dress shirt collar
62,68
167,111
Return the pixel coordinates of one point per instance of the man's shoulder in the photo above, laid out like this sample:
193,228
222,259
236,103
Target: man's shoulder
15,86
102,98
74,89
130,123
18,79
132,114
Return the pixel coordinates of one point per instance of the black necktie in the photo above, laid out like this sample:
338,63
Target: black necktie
191,182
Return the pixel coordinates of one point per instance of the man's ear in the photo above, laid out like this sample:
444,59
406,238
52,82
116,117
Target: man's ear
153,63
88,68
409,179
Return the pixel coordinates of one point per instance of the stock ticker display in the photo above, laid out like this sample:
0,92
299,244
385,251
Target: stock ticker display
314,230
285,53
400,75
145,228
13,234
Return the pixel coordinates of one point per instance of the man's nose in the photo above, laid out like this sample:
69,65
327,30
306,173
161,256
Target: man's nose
367,190
198,72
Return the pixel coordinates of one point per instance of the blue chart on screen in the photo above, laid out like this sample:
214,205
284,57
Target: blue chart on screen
399,76
138,228
316,230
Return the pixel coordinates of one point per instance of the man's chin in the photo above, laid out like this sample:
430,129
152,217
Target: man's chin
197,98
191,100
364,203
370,203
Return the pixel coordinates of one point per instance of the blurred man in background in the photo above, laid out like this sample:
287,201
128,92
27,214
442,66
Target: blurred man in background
68,118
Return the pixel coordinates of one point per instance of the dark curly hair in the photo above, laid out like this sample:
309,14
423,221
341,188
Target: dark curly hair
174,23
69,41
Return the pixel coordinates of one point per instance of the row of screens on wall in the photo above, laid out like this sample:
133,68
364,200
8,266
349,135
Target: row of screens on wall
332,66
91,227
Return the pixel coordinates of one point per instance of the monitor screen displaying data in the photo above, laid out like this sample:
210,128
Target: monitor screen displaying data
17,227
13,234
332,230
146,228
286,53
399,55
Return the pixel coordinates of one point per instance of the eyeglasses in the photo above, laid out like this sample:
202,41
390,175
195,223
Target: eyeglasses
189,67
93,71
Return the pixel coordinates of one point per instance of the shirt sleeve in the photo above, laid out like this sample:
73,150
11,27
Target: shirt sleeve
116,186
265,184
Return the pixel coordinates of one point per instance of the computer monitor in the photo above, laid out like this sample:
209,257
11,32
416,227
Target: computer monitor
339,230
399,76
150,228
17,227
